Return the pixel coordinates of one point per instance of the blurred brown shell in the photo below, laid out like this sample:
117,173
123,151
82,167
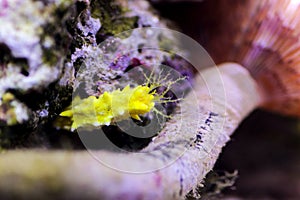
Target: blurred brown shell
269,47
264,37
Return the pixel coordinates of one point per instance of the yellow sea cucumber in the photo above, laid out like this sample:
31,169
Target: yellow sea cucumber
118,105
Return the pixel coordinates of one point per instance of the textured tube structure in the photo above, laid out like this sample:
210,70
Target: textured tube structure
183,153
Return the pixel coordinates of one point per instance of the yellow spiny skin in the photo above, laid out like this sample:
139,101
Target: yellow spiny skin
112,106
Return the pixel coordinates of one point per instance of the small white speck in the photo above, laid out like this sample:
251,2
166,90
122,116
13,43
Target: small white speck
43,113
